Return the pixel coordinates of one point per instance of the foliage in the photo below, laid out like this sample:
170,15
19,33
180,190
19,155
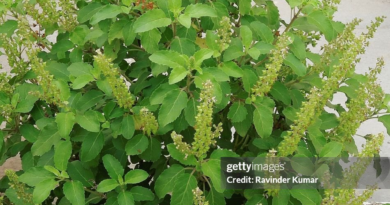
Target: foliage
77,111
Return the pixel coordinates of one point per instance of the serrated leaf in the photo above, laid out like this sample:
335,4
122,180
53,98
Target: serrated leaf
174,102
182,190
169,58
78,172
215,198
127,127
179,156
29,132
331,149
142,194
385,119
183,46
150,40
74,192
92,145
249,79
237,112
190,111
232,53
168,176
88,121
177,75
116,30
232,69
35,175
198,10
88,11
113,167
244,6
280,92
320,20
202,55
8,27
306,196
137,145
42,190
329,121
107,185
153,152
107,12
298,47
46,139
79,69
246,36
263,121
65,122
159,94
128,33
136,176
297,66
62,153
125,198
263,31
154,18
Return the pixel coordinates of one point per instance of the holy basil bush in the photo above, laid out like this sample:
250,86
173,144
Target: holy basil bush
173,86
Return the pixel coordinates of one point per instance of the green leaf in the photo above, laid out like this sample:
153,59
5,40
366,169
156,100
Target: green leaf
202,55
125,198
283,197
79,34
190,111
182,190
113,167
88,100
136,176
29,132
329,121
244,6
59,70
168,176
142,194
298,47
107,185
154,18
137,145
177,75
237,112
127,127
62,153
46,139
88,11
92,145
200,10
331,149
185,20
280,92
62,46
215,198
175,6
232,53
74,192
128,33
65,122
169,58
150,40
249,79
78,172
385,119
116,30
80,69
319,19
107,12
302,164
153,152
246,36
173,104
297,66
42,190
232,69
263,31
306,196
263,121
272,14
294,3
35,175
159,94
9,27
179,156
212,169
183,46
88,121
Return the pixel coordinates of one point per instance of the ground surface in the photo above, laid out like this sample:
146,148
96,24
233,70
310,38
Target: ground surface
379,47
